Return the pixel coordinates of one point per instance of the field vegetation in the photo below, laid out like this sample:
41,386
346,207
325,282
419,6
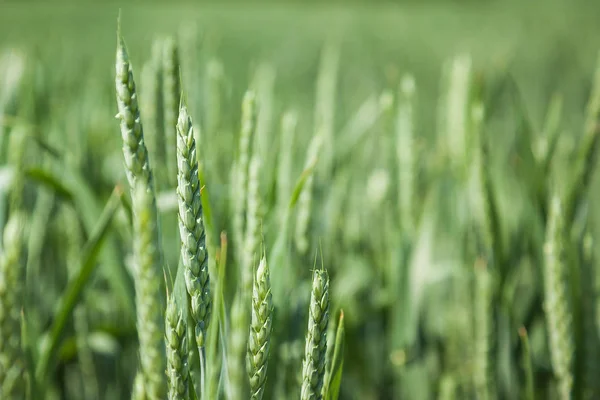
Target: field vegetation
279,200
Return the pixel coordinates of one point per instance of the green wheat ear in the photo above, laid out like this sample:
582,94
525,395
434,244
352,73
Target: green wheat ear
194,254
252,235
260,331
171,97
240,173
146,241
177,351
556,302
313,367
13,376
137,164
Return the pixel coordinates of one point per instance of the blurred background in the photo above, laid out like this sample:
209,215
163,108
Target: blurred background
409,291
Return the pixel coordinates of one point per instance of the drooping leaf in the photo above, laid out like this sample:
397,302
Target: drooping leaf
76,286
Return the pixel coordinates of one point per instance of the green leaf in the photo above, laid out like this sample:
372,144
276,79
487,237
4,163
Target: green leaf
74,188
28,353
300,184
51,181
551,129
75,287
332,388
127,207
529,393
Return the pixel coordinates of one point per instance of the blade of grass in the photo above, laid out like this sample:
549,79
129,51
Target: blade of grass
51,181
280,250
28,352
75,287
526,364
551,130
300,184
332,388
74,188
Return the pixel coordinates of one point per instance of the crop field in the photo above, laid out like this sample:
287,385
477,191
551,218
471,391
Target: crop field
278,200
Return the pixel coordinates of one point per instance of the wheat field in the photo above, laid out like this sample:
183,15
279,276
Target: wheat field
279,200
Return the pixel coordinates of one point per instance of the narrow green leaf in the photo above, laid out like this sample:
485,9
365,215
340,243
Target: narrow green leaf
75,287
526,365
551,129
74,188
332,388
300,184
126,204
51,181
36,136
28,352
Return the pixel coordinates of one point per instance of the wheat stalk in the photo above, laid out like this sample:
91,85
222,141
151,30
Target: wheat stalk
238,335
149,289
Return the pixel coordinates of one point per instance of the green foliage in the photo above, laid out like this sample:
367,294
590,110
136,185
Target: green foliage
404,155
334,381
